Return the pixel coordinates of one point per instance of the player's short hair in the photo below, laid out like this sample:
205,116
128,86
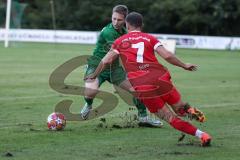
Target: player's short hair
121,9
135,19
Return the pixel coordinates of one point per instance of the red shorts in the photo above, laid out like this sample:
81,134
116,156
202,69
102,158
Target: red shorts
154,104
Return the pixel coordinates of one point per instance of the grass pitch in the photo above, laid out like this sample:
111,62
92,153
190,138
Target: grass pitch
26,100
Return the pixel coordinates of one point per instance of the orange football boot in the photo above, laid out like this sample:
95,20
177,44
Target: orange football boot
206,140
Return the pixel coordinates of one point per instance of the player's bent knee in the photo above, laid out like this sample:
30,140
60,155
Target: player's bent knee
91,88
179,107
93,84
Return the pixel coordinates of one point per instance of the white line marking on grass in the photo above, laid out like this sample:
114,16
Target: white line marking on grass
26,97
212,86
219,105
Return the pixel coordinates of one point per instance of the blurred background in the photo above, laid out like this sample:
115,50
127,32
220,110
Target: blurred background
189,17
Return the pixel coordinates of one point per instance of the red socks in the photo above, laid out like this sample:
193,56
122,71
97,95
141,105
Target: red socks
183,126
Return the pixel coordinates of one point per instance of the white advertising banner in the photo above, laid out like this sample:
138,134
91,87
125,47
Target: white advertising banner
170,45
51,36
202,42
87,37
235,44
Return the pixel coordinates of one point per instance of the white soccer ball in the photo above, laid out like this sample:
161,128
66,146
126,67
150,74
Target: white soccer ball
56,121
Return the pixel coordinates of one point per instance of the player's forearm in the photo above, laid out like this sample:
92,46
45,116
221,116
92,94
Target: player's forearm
101,66
169,57
108,59
175,61
99,69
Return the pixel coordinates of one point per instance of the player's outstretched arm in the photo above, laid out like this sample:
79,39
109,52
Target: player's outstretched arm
171,58
107,59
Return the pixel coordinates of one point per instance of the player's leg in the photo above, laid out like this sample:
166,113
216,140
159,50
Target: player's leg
169,116
144,119
180,107
161,110
91,90
183,108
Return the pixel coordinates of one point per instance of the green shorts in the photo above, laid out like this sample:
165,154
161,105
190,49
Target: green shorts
114,74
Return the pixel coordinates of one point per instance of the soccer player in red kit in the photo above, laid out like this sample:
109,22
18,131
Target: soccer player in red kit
150,81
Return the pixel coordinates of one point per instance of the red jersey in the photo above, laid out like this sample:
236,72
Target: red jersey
136,50
137,47
150,79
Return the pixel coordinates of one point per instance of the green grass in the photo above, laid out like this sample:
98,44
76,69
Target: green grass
26,100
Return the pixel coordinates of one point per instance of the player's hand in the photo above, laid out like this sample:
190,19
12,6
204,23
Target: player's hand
90,77
190,67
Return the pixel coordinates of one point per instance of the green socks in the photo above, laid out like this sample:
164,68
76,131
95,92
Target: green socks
142,111
89,101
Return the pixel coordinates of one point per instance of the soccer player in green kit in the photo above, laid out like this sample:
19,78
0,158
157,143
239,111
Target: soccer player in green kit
115,73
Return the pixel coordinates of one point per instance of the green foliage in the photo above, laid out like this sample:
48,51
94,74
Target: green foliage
2,14
210,17
198,17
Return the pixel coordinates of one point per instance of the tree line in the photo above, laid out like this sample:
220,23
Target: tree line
191,17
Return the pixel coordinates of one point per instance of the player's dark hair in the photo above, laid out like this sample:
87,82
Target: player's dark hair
121,9
135,19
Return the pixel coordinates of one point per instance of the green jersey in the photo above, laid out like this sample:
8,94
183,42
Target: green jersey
107,36
105,39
